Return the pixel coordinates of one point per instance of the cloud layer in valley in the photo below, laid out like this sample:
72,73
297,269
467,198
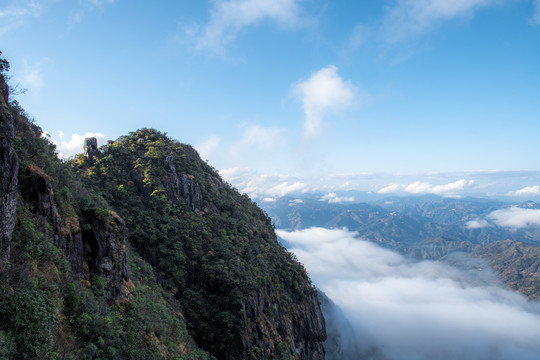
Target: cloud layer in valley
417,310
513,217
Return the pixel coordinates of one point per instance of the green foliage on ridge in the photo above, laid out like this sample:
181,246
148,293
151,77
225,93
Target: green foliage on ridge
212,260
44,312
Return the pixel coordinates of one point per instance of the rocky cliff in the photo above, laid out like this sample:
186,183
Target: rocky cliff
139,250
72,229
9,167
243,295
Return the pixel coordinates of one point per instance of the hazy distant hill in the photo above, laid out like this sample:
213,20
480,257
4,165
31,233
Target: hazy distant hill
427,227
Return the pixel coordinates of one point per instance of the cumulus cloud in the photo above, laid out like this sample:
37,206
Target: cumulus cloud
417,310
228,18
412,17
75,144
526,191
450,190
333,198
324,90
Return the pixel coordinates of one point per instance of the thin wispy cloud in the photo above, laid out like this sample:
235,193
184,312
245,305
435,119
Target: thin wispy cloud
323,91
408,18
254,143
409,309
421,188
208,146
84,7
15,13
536,14
229,18
260,137
31,77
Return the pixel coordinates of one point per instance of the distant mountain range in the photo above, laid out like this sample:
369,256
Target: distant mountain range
430,227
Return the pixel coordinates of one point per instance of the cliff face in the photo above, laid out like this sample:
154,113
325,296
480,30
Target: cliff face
104,234
300,324
243,295
9,167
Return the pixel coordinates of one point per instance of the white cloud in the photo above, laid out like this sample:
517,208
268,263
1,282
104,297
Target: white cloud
260,186
412,17
332,198
418,188
208,146
516,217
526,191
75,145
228,18
285,188
417,310
324,90
477,224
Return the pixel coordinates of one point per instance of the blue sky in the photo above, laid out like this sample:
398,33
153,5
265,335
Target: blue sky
294,94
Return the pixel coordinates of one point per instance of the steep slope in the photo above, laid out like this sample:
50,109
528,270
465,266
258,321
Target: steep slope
243,295
66,289
9,167
202,257
517,264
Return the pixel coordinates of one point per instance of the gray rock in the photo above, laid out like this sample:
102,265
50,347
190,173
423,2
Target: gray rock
90,148
9,169
183,186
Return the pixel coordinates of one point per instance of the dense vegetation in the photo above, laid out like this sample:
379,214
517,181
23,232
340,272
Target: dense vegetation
204,268
44,312
212,259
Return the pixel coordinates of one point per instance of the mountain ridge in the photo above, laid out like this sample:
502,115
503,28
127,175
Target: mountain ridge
139,250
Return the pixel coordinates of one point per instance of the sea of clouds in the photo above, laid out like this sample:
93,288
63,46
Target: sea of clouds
402,309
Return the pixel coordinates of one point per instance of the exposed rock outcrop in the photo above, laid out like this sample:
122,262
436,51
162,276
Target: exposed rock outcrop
104,236
90,148
269,323
37,191
9,168
184,186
